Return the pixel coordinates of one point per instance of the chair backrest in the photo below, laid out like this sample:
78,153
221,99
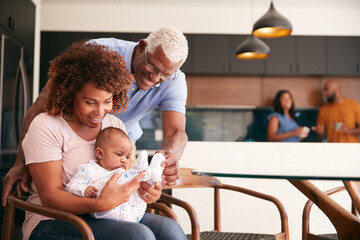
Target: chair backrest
306,213
353,188
187,180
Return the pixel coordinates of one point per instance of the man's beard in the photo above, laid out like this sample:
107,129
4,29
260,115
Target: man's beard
331,98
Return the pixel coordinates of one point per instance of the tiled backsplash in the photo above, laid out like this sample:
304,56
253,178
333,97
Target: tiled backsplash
215,124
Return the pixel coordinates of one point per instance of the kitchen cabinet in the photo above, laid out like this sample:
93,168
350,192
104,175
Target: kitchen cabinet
241,66
310,55
343,56
54,43
215,54
299,55
188,64
135,37
210,54
18,18
282,55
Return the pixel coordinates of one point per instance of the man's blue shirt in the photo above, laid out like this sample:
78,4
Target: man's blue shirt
169,95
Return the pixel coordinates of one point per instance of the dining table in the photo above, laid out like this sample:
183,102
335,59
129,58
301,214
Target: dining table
308,162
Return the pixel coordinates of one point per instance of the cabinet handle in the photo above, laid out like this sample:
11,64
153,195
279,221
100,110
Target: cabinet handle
297,67
291,67
11,23
224,66
358,68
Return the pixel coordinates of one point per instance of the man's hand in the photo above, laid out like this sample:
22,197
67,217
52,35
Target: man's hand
344,129
319,130
171,169
14,174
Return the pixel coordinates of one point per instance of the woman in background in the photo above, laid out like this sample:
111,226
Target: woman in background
282,125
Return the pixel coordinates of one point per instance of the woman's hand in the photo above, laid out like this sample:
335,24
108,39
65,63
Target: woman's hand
297,132
148,193
113,195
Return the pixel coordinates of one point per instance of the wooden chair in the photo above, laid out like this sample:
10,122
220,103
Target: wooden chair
306,235
187,180
353,188
17,200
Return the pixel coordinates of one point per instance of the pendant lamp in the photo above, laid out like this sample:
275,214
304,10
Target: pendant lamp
272,25
252,48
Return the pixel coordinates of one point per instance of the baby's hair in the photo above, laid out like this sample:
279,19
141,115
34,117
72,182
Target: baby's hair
106,134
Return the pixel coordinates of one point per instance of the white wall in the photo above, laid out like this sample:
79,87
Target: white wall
244,214
309,17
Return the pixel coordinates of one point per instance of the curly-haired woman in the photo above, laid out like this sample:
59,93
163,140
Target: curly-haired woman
87,82
282,125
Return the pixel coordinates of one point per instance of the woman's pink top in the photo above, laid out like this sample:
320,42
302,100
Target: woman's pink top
50,139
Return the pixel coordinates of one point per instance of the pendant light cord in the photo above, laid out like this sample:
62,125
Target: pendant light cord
252,14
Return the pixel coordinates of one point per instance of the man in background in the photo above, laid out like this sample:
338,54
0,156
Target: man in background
339,118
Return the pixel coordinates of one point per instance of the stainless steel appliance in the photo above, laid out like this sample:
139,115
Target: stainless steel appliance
15,82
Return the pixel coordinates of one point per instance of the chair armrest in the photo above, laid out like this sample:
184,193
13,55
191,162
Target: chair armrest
195,228
307,208
278,204
165,209
83,227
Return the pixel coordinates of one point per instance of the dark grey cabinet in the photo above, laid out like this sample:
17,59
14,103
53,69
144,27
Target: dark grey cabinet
54,43
210,54
17,17
343,56
282,56
215,54
241,66
296,55
187,66
135,37
310,55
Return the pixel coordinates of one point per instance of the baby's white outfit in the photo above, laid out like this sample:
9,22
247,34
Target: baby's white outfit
95,175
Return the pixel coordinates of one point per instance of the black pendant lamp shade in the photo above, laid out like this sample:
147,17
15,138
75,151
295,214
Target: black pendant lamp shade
272,25
252,48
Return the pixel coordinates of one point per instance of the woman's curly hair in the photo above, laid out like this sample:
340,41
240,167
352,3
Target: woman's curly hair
82,63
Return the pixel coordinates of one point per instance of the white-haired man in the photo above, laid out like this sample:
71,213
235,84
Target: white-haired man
155,63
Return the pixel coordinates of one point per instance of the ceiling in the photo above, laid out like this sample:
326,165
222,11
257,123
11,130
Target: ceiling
208,3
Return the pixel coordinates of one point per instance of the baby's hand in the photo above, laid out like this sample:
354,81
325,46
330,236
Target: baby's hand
90,192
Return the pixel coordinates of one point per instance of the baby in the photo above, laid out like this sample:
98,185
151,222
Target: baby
113,150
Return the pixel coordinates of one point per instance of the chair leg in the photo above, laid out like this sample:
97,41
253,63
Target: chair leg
217,214
8,227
